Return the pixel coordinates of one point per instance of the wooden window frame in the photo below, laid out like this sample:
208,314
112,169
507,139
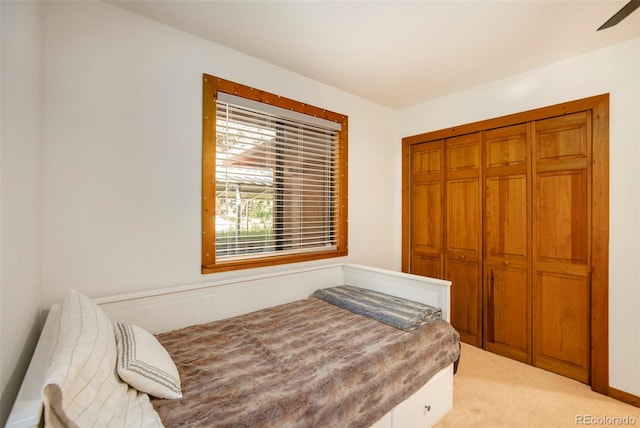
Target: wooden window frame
213,85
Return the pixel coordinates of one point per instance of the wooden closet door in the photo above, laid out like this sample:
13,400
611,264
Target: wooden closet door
561,225
427,181
507,284
463,234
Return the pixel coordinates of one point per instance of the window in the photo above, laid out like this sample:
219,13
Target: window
274,179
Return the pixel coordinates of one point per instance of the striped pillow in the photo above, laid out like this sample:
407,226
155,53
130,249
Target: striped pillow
144,363
82,388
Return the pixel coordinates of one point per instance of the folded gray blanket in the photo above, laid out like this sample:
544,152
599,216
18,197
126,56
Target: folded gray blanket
397,312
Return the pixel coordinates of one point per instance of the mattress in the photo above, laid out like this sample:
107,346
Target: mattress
305,363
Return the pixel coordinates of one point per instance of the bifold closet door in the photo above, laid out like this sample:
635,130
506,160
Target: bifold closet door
463,234
517,219
427,181
507,283
561,253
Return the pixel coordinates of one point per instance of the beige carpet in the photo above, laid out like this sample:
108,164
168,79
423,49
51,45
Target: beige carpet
493,391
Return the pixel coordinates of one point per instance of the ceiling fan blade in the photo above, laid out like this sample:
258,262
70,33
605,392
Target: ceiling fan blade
621,14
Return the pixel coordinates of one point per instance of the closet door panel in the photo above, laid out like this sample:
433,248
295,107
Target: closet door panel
427,193
562,217
463,234
507,147
427,265
463,219
507,223
506,217
466,300
563,138
463,154
561,323
507,317
427,158
507,313
426,231
561,250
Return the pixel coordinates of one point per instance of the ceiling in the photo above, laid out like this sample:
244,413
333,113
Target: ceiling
399,53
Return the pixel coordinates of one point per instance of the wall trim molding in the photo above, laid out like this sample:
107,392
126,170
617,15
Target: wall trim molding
623,396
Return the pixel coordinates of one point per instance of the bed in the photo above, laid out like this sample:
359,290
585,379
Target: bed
242,314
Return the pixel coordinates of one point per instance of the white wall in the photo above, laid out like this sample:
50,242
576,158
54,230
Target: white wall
615,70
20,192
103,195
122,152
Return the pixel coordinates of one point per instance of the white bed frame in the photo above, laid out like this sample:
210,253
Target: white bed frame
169,309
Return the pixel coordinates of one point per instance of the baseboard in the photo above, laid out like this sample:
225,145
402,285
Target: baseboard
625,397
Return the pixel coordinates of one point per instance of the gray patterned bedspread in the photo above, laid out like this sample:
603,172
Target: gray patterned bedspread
307,363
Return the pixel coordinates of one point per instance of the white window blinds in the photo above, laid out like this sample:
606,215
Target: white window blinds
275,180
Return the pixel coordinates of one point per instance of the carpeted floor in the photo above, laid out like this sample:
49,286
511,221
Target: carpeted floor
492,391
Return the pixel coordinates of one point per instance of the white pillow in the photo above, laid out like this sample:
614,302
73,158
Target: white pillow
82,387
145,364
